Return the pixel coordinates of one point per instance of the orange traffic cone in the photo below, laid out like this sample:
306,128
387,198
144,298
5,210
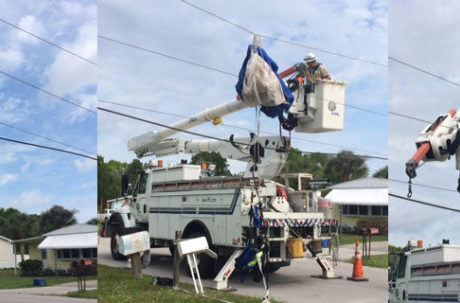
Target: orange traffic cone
358,266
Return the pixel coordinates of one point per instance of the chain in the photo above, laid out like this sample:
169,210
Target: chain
409,193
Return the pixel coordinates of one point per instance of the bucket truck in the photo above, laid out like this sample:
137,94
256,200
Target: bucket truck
437,142
187,198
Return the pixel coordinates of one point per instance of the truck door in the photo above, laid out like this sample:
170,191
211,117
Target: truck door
140,196
400,280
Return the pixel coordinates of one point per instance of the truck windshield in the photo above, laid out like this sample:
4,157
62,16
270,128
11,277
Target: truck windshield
400,271
141,185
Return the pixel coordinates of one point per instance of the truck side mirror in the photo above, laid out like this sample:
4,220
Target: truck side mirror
125,186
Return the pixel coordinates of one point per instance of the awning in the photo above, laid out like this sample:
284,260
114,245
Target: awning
365,196
87,240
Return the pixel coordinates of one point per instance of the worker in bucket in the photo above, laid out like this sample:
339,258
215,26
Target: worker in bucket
315,71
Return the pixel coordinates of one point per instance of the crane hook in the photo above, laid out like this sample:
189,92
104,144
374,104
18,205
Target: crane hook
409,193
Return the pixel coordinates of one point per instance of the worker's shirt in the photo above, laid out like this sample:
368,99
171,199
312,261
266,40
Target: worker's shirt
317,73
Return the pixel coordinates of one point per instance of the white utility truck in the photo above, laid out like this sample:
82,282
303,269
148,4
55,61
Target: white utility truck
232,211
430,274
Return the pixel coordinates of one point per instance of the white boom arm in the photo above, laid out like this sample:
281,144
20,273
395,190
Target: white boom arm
438,142
270,165
143,143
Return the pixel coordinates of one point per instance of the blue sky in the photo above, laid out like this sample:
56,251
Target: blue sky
129,76
32,179
432,46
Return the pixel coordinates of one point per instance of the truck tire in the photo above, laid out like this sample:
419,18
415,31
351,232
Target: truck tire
114,245
206,264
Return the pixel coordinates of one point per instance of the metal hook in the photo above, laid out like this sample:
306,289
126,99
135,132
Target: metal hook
409,193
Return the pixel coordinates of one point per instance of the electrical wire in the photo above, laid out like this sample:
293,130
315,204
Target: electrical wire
43,137
424,203
213,137
424,71
47,41
416,119
424,185
239,127
218,70
46,91
166,56
280,40
47,147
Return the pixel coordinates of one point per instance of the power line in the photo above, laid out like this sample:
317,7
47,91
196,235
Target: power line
48,42
46,92
424,185
424,71
212,137
48,147
237,127
281,40
416,119
424,203
167,56
218,70
43,137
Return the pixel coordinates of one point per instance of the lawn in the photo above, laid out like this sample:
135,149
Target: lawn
117,285
351,238
8,280
380,261
90,294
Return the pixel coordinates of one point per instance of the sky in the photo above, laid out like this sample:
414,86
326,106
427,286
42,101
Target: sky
426,36
137,78
33,179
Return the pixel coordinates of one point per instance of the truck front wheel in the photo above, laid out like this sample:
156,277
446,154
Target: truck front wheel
114,246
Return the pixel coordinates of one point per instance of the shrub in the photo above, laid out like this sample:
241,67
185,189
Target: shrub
48,272
31,268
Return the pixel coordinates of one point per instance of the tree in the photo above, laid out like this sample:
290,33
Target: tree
381,173
214,158
92,221
57,217
346,166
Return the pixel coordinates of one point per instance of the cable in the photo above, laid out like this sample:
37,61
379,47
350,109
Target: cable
424,71
424,203
43,137
416,119
47,92
48,42
47,147
212,137
281,40
167,56
424,185
239,127
218,70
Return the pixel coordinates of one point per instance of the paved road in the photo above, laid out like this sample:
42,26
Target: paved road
49,294
289,284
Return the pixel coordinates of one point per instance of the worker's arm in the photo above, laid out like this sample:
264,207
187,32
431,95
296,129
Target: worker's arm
324,73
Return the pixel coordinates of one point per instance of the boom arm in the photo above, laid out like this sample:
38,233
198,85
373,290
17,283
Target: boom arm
437,142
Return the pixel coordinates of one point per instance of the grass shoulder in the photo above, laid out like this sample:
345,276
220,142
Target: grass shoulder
117,285
380,261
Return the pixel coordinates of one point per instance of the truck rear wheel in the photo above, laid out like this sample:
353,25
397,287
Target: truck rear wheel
206,264
114,246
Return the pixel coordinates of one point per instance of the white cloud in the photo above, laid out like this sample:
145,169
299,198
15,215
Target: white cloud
33,25
25,167
7,178
10,153
30,199
84,166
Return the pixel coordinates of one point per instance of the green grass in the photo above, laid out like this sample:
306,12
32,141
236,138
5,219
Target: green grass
9,281
117,285
380,261
90,294
351,238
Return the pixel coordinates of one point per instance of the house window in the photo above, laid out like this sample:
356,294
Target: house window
63,254
385,211
86,253
75,253
352,209
43,254
376,210
94,253
363,210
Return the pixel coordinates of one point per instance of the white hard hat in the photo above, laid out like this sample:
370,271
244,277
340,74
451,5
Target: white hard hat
310,58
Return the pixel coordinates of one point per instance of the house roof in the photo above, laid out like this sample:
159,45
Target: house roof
5,239
362,184
73,229
69,241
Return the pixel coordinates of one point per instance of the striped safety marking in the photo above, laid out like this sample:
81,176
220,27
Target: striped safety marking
300,223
